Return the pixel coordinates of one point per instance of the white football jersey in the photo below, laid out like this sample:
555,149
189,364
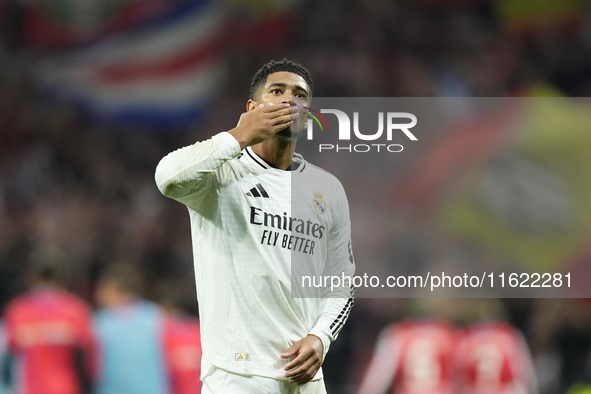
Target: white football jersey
252,225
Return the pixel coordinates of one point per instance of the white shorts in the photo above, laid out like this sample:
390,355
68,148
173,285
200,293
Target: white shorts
224,382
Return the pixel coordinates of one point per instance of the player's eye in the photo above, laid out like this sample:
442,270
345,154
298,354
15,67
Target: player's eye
276,91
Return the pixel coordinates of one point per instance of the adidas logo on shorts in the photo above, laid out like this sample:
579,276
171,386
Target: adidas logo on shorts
242,357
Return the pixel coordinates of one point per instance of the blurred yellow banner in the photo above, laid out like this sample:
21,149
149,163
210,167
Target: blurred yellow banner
532,14
531,200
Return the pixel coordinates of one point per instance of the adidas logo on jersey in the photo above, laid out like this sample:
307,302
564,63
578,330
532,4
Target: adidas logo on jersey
242,357
258,191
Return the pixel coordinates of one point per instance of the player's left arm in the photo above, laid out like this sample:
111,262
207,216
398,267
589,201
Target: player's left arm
335,305
311,350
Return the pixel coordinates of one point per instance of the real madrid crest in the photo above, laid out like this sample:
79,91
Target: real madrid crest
319,203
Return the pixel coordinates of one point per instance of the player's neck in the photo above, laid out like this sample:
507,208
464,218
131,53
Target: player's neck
276,151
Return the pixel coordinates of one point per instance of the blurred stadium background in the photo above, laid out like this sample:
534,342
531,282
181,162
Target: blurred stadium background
94,92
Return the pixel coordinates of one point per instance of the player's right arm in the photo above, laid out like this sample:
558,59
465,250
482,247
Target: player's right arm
188,173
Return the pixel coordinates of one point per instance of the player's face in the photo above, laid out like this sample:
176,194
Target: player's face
285,87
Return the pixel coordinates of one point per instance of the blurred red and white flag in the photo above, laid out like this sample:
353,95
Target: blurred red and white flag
50,25
161,74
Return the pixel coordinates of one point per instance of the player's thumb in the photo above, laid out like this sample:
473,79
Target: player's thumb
291,351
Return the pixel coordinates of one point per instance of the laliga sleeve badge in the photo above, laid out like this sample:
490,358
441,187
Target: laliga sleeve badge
319,203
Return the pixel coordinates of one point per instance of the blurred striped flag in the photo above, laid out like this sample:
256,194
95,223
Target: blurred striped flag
161,74
59,24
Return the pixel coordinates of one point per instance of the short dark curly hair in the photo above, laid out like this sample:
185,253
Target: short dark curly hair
273,66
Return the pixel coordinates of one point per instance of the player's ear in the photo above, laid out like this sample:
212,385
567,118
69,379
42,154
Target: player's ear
250,105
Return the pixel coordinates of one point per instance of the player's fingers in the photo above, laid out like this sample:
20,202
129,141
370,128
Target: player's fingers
306,374
302,379
281,126
296,362
293,349
304,366
299,360
272,109
283,112
285,119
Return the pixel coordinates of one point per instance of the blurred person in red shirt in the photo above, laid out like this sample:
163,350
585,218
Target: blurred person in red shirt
182,341
492,356
494,359
412,357
50,337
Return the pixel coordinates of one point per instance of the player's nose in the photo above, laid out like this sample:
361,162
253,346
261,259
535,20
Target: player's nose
287,97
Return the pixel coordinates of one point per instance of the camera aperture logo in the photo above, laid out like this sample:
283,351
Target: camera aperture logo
395,123
315,118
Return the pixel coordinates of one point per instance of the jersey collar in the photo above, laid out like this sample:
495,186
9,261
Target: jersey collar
297,161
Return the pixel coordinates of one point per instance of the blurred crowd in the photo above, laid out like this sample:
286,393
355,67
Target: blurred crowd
52,343
85,192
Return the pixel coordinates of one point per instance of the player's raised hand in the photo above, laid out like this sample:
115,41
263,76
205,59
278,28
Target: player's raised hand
308,352
262,122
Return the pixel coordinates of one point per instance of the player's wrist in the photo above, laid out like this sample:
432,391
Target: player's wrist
324,339
240,136
320,345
